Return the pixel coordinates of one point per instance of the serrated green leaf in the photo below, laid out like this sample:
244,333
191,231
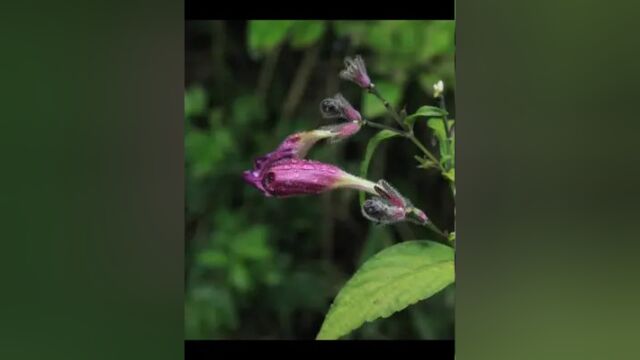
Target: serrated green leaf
306,32
373,107
264,35
371,147
390,281
426,111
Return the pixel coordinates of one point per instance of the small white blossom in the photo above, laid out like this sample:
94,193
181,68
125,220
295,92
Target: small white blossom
438,89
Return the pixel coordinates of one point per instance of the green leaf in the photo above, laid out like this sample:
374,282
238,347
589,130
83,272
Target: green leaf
213,259
240,277
264,35
379,237
437,126
371,147
451,175
195,101
248,109
373,107
426,111
251,244
306,32
393,279
446,146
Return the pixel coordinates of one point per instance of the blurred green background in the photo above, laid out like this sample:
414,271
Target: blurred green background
265,268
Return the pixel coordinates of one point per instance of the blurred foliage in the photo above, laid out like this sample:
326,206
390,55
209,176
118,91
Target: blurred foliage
264,268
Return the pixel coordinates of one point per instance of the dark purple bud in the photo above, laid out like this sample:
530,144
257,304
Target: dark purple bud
390,207
339,107
381,211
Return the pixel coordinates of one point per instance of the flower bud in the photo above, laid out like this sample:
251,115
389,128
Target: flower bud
292,177
381,211
339,107
438,89
356,71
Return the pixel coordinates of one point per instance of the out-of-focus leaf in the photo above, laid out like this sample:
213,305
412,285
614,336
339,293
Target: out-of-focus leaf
306,32
439,39
252,244
393,279
213,258
195,101
239,276
356,31
264,35
248,109
203,151
371,147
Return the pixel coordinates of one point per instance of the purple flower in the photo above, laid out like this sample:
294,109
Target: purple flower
339,107
356,71
294,146
342,131
391,207
292,177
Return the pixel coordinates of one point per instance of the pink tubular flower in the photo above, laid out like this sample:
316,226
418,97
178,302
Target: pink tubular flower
292,177
356,71
294,146
342,131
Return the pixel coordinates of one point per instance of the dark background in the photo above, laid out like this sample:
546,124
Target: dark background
264,268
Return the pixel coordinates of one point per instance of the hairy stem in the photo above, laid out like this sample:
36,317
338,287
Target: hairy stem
409,135
373,90
425,151
445,119
435,229
384,127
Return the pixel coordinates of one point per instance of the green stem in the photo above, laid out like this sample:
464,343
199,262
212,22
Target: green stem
373,90
425,151
384,127
445,118
435,229
410,136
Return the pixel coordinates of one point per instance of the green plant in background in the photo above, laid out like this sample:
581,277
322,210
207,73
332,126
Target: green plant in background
259,271
401,274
